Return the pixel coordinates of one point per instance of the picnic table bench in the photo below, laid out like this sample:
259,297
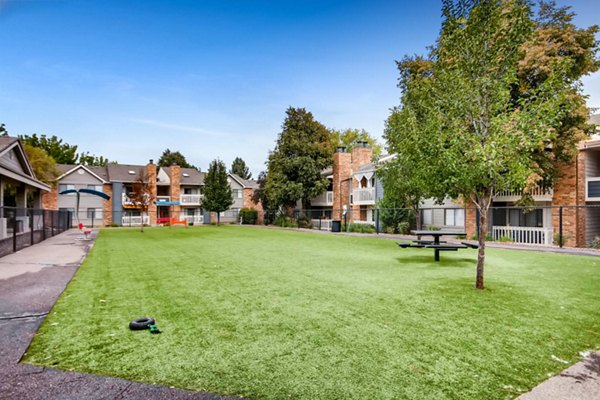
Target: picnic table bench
436,244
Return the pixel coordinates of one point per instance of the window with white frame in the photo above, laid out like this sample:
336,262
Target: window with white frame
237,193
94,213
63,187
427,217
97,188
455,217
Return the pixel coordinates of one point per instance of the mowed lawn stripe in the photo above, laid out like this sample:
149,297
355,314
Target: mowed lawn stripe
269,314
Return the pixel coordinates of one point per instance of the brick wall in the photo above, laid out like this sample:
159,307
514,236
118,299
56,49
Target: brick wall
50,199
248,203
107,205
151,171
569,190
342,172
471,221
175,189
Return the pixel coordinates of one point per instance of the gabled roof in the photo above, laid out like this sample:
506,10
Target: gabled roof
123,172
98,172
189,176
245,183
26,175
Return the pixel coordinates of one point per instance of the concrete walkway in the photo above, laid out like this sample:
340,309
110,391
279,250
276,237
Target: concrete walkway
30,282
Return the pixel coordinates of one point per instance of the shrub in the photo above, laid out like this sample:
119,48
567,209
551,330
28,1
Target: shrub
361,228
404,227
285,221
249,216
594,244
434,228
566,236
304,222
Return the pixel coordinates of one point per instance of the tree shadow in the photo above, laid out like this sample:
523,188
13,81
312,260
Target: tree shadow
427,260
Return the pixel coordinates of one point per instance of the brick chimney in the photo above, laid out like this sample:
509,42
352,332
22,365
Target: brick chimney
342,173
175,189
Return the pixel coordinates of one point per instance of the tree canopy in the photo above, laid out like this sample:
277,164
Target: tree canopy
294,167
62,153
239,167
349,138
169,158
467,125
44,166
218,196
92,160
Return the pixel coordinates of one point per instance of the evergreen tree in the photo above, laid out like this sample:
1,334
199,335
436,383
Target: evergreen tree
240,168
218,196
169,158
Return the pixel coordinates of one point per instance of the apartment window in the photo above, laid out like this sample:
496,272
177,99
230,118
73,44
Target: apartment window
237,193
94,213
97,188
455,217
534,218
427,217
62,188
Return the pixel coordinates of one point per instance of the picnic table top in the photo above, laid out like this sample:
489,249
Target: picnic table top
435,233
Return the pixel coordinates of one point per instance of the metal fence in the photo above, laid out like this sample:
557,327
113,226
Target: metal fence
571,226
23,227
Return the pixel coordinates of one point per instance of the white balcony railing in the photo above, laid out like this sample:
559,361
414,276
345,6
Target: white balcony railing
325,199
523,234
365,196
323,224
538,193
126,200
592,189
135,220
190,199
194,219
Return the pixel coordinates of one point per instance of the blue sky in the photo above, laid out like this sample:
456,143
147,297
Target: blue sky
212,79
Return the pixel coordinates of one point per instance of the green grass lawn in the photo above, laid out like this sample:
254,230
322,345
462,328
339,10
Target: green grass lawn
271,314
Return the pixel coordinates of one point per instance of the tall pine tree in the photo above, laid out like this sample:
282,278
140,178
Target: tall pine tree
217,192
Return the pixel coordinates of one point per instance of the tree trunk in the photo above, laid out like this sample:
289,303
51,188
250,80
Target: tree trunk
218,218
484,206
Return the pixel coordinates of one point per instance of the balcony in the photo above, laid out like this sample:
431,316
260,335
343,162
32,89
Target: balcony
194,219
325,199
592,189
127,202
160,199
523,235
365,196
538,193
135,220
190,199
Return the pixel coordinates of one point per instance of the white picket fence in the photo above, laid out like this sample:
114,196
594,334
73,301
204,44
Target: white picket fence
523,235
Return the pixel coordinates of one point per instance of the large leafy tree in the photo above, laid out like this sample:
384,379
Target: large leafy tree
62,153
92,160
169,158
294,167
239,167
558,48
44,166
218,196
463,128
349,138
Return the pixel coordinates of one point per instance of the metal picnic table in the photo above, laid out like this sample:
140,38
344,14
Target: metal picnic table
436,244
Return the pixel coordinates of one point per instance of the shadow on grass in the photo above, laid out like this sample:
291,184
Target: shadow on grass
428,261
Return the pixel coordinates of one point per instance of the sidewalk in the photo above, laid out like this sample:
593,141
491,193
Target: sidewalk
30,282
